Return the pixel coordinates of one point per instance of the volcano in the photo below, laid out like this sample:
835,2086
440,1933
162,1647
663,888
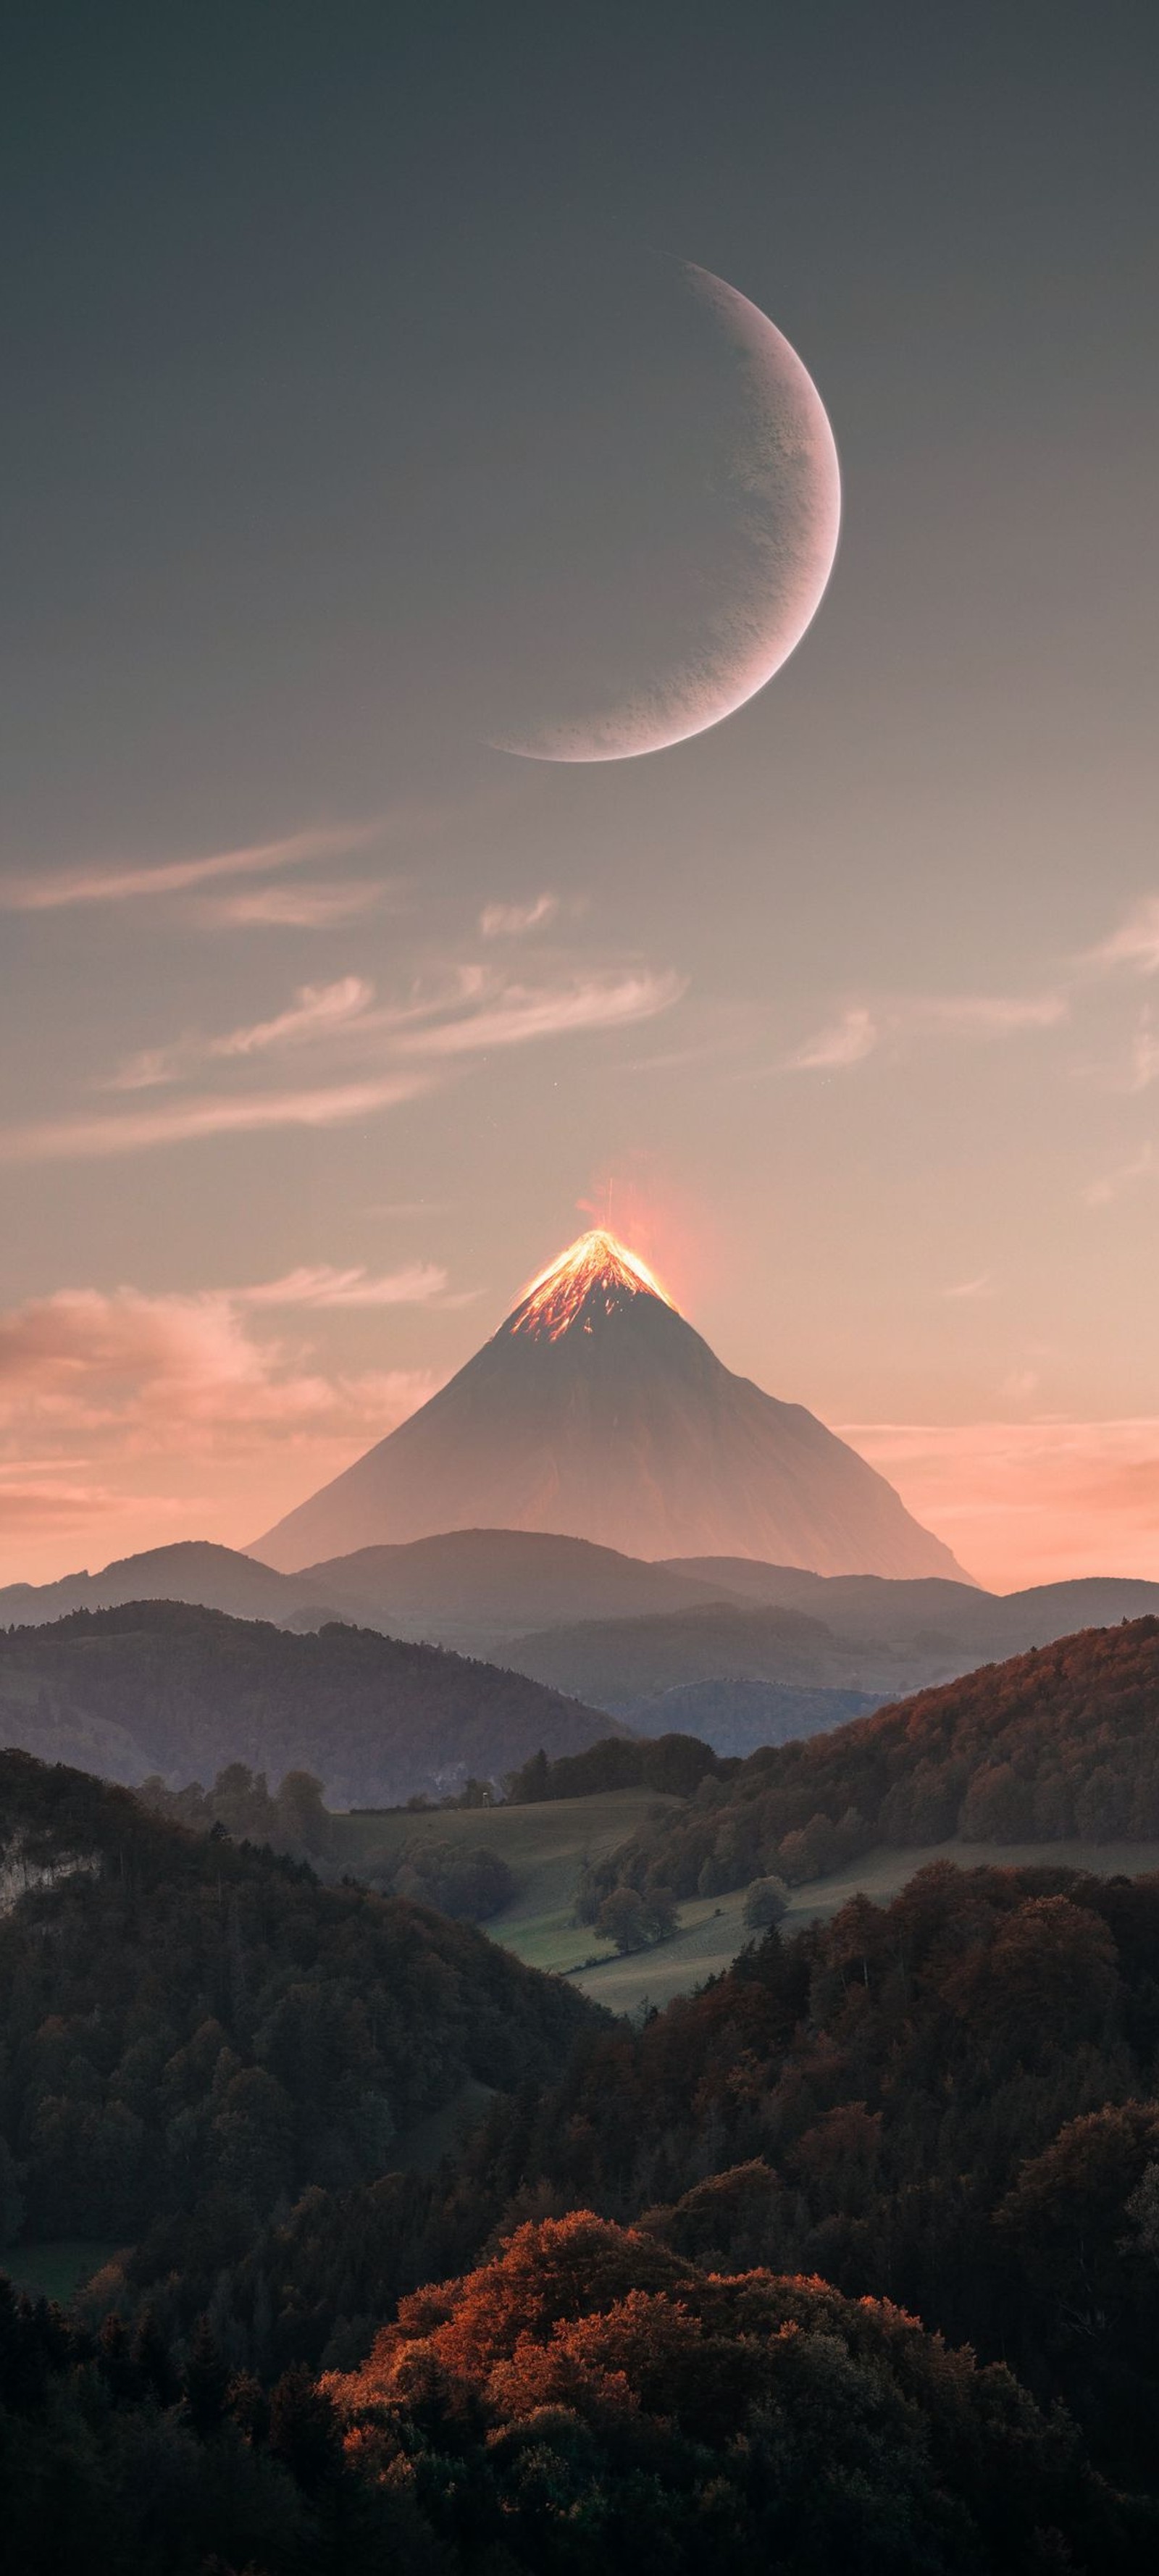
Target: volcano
598,1412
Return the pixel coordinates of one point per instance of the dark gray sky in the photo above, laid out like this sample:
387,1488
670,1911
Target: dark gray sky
349,410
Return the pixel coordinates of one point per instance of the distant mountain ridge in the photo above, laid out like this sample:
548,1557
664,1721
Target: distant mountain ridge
460,1588
617,1631
597,1411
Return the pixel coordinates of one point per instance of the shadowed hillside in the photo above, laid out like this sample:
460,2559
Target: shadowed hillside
190,2029
157,1686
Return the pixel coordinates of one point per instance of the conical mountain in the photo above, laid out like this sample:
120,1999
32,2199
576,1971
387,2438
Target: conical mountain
597,1411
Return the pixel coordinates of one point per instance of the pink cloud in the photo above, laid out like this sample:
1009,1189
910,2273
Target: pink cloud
846,1041
859,1031
512,920
321,1286
179,1122
318,1011
104,884
1134,945
293,907
104,1395
48,1506
1028,1502
520,1014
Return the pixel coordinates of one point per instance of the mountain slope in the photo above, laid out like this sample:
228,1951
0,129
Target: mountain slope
186,2024
957,1615
157,1686
615,1663
219,1578
596,1410
739,1716
461,1588
469,1588
1052,1745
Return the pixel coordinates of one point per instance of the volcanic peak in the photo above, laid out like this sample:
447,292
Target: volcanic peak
593,1278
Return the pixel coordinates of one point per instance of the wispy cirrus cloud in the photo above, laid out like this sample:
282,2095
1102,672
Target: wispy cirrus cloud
367,1050
105,883
513,920
318,1011
53,1140
844,1041
520,1013
968,1291
983,1015
296,907
1134,945
861,1031
1144,1060
416,1285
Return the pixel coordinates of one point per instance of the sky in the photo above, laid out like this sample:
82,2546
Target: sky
357,419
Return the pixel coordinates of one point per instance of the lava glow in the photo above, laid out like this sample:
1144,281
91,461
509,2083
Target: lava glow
594,1266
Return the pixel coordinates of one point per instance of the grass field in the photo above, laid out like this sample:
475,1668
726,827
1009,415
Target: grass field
712,1932
546,1845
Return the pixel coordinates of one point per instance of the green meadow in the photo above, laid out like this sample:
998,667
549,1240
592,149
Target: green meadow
546,1845
545,1848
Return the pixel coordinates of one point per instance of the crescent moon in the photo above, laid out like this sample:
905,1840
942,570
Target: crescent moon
786,486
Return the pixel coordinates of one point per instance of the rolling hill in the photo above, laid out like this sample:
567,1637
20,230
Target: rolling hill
160,1686
944,1618
619,1664
737,1716
193,1570
461,1588
470,1588
1060,1742
186,2023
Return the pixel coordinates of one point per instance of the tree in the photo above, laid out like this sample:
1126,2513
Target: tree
621,1919
305,2434
153,2360
301,1817
205,2381
635,1922
115,2360
766,1901
532,1784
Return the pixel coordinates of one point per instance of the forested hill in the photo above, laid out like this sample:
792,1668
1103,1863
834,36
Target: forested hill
190,2028
1062,1742
160,1686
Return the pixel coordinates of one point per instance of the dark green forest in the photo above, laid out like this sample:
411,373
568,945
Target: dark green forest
192,2031
161,1687
468,1884
585,2391
949,2101
671,1764
869,2271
